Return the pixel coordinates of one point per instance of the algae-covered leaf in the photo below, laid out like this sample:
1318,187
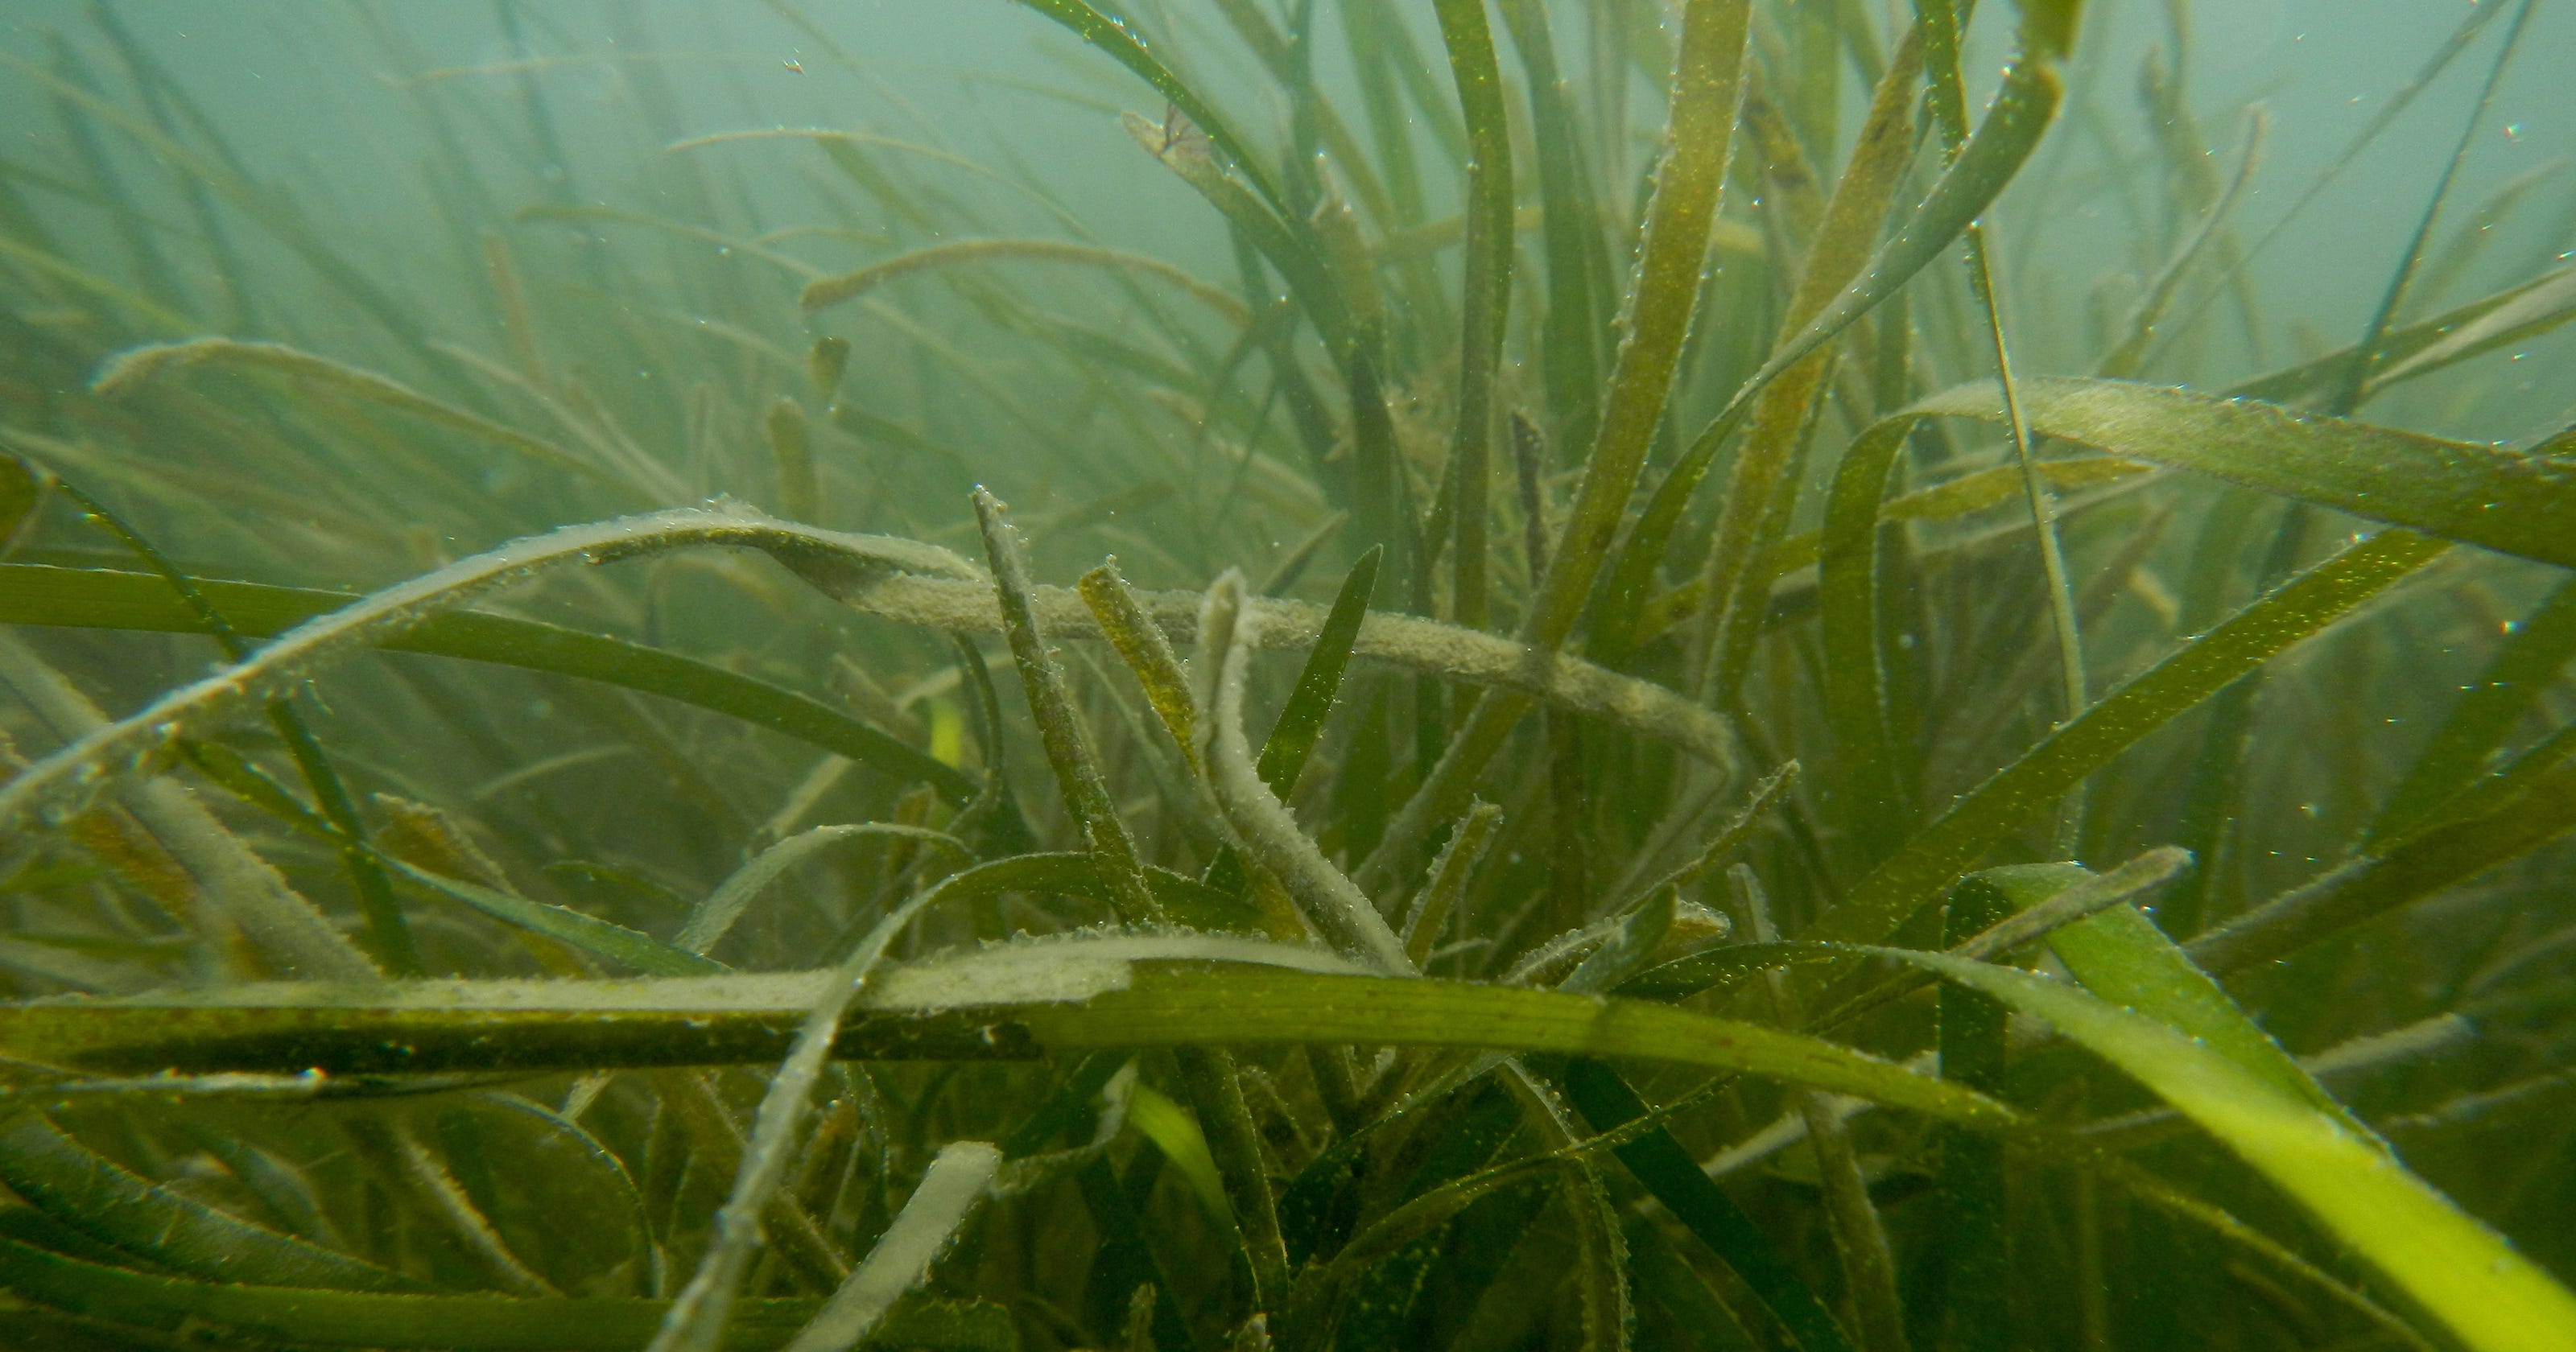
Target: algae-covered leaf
698,1314
96,1197
1184,899
310,1317
1147,651
1271,838
1573,344
1983,168
1972,1044
1717,969
1074,993
2472,492
930,1219
1699,140
2049,898
632,949
1739,567
1077,775
2312,572
2481,494
827,558
1448,881
20,489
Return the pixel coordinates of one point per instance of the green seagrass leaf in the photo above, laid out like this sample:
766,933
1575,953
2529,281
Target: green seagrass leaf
2468,1276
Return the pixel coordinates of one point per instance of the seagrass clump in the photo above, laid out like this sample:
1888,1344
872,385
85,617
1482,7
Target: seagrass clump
1304,676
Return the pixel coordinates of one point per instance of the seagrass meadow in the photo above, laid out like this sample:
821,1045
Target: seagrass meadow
1840,675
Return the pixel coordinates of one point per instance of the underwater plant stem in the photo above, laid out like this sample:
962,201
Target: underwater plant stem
2073,687
1376,480
993,802
2147,316
1949,104
1529,468
1970,1032
388,933
1791,483
1116,40
270,208
159,91
1739,827
1869,1264
510,294
1571,333
1935,856
2471,24
2446,852
1077,776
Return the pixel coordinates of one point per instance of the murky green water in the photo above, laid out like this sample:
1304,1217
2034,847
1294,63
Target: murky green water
1272,674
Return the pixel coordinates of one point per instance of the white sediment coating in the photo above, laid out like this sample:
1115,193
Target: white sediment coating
1042,970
